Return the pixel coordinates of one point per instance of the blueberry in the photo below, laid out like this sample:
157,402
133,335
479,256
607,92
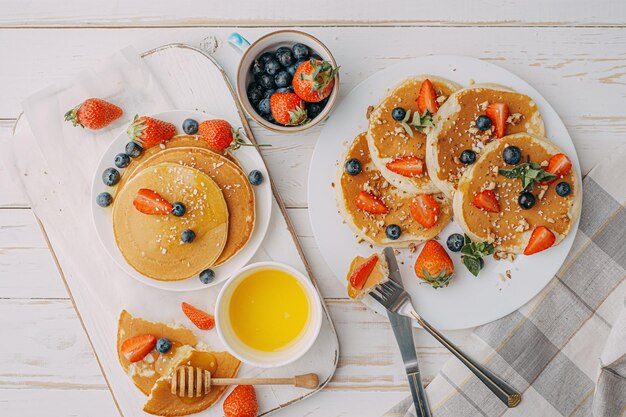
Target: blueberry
104,199
512,155
264,106
455,242
563,189
526,200
284,56
353,166
282,79
266,82
207,276
398,114
122,160
393,231
285,90
483,122
300,51
266,56
468,157
272,67
314,109
163,345
268,93
187,236
133,149
271,119
190,126
178,209
294,67
255,177
481,261
257,68
255,94
110,176
316,57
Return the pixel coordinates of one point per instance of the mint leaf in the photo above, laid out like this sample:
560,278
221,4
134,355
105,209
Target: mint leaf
472,264
419,122
529,173
473,254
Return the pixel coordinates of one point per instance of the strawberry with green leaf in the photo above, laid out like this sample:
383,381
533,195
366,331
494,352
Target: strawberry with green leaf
434,265
314,80
473,253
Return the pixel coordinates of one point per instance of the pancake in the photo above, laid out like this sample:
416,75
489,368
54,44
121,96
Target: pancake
510,229
389,141
233,182
143,372
379,275
151,244
371,227
162,402
455,129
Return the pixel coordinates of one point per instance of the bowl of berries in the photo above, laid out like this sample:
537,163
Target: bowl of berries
287,81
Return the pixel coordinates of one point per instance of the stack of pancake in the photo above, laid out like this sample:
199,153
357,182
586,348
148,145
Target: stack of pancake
219,203
152,374
445,176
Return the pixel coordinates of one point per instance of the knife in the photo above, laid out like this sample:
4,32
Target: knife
403,331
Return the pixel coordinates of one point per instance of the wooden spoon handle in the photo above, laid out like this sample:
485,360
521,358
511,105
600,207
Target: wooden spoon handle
310,381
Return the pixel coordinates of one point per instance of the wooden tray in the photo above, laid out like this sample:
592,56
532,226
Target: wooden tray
193,80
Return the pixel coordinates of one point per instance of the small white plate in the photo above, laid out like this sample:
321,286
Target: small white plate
248,157
468,301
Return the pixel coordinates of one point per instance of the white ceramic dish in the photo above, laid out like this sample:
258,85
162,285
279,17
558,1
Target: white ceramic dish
469,301
255,357
273,41
247,156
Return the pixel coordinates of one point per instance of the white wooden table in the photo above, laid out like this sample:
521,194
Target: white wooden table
573,52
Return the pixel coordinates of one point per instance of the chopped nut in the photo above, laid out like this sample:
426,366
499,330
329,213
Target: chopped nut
441,99
483,105
412,247
369,111
514,118
490,186
544,163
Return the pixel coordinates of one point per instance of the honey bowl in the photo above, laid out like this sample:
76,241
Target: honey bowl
268,314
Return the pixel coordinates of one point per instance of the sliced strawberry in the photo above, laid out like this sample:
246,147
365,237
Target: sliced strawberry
541,239
425,210
498,113
202,320
370,203
427,99
136,348
408,166
362,272
150,202
559,165
487,201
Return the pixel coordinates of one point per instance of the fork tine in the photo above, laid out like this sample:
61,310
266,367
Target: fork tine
395,285
384,290
376,297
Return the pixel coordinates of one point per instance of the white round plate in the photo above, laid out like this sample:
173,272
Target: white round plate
468,301
248,157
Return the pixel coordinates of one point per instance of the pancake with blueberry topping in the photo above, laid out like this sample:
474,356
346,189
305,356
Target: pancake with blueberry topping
522,195
469,120
380,213
397,130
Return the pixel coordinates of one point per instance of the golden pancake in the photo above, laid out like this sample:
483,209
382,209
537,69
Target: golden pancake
455,129
379,275
144,373
510,229
152,244
234,184
389,141
371,227
162,402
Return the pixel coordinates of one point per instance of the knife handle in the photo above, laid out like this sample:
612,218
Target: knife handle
507,394
419,395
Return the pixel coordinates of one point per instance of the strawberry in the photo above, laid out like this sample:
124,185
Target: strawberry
150,132
434,265
93,113
314,80
559,165
288,109
151,202
427,98
241,402
136,348
541,239
220,135
408,166
487,201
498,113
362,272
425,210
370,203
202,320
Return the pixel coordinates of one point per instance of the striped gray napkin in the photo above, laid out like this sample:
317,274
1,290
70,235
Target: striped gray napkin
566,349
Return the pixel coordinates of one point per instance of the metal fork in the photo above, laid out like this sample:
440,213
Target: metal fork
394,298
